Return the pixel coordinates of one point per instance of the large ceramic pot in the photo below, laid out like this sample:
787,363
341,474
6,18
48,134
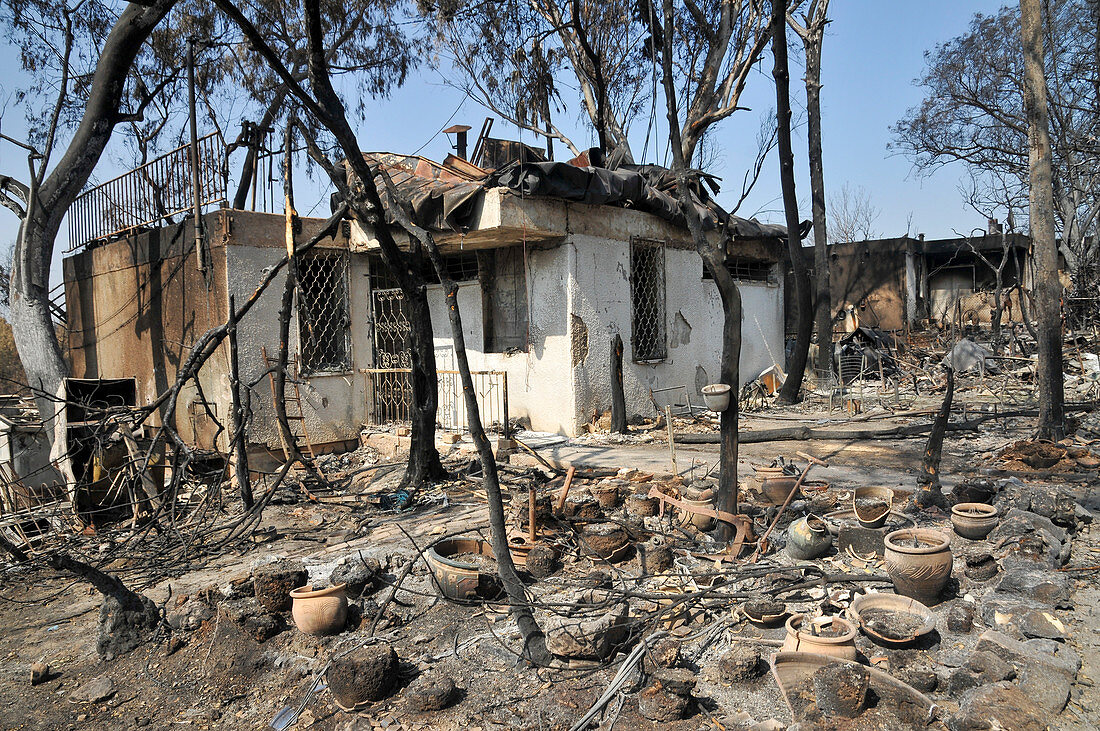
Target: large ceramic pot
973,520
320,612
808,538
459,580
833,636
702,522
918,561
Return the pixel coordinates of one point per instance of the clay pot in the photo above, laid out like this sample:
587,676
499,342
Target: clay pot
320,612
717,396
702,522
458,580
872,517
918,561
774,485
808,538
974,520
839,640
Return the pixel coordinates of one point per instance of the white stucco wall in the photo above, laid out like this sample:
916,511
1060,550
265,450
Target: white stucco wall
333,405
600,298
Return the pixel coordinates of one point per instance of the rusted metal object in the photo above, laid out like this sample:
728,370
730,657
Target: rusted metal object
565,489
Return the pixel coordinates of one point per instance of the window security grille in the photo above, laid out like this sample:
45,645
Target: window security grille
324,332
647,297
747,270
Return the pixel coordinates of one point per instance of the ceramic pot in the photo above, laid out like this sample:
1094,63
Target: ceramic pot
808,538
702,522
607,496
918,561
717,396
774,485
456,579
872,517
839,640
320,612
974,520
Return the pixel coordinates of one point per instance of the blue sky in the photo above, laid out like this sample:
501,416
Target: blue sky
873,52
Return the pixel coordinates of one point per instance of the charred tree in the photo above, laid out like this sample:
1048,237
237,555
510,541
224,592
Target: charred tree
812,33
618,398
803,307
48,202
929,493
1041,218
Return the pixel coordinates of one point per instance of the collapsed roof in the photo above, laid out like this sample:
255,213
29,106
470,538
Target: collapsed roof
443,197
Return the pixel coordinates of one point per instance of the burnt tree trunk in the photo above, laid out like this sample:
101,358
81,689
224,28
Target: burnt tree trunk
424,465
618,399
928,480
32,326
1041,217
238,445
803,306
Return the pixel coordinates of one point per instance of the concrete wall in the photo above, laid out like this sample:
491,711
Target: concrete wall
600,305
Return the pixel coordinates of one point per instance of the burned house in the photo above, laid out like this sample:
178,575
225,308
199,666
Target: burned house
551,260
895,284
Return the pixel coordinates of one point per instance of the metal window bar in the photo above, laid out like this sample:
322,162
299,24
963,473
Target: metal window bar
324,320
647,298
157,190
389,391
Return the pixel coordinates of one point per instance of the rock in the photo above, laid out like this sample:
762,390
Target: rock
862,540
960,618
989,667
1041,624
542,561
190,615
365,675
40,673
94,691
923,679
602,540
1021,616
841,691
1044,676
656,559
430,694
587,638
124,624
740,664
1000,706
359,574
980,564
273,583
248,614
974,490
668,695
1056,504
657,704
664,654
1044,586
175,644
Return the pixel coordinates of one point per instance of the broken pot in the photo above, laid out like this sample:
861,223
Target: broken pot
831,636
808,538
918,561
775,485
974,520
872,505
891,619
319,612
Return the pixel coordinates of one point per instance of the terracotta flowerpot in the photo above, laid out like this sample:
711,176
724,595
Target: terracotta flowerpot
974,520
320,612
918,561
808,538
835,636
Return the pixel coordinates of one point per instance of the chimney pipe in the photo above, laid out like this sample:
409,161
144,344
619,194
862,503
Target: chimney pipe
459,130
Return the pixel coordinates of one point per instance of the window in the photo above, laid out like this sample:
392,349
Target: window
459,267
504,282
324,334
647,299
745,269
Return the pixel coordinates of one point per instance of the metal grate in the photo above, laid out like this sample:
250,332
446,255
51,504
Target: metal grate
324,332
745,269
154,191
647,298
390,398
